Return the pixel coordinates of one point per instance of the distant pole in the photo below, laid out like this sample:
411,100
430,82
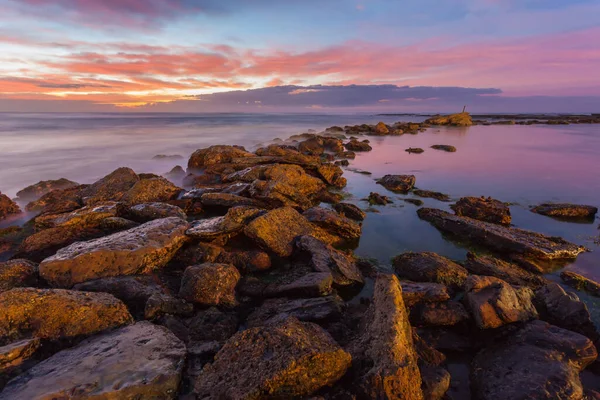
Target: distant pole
464,108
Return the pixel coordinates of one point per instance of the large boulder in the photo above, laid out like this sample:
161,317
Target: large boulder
494,303
398,183
17,273
58,201
502,239
110,188
511,273
150,191
210,284
564,309
429,267
483,209
58,314
134,251
384,354
7,207
540,361
566,211
216,155
321,257
459,119
34,192
287,185
287,360
141,361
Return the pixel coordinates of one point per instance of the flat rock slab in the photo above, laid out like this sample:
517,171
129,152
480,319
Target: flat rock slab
566,211
580,282
511,273
291,359
540,361
134,251
423,292
429,267
502,239
483,209
141,361
58,314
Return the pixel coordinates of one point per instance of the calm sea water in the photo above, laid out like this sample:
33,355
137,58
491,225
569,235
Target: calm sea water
523,165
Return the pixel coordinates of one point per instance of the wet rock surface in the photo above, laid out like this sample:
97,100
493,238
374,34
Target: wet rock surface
429,267
398,183
532,245
444,147
138,361
580,282
566,211
483,209
508,272
289,359
350,210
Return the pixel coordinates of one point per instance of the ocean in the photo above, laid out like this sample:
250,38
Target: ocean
522,165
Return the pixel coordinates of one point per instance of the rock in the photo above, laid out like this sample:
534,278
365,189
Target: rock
350,210
330,174
229,200
433,195
159,304
566,211
141,361
513,241
134,291
510,273
167,157
487,210
495,303
398,183
460,119
565,310
17,273
324,258
287,185
444,147
210,284
58,314
212,325
58,201
448,313
151,191
378,199
384,356
83,218
276,230
334,223
239,188
415,202
312,147
16,357
176,174
436,382
216,155
381,129
580,282
540,361
313,284
146,212
355,145
7,207
34,192
320,309
110,188
134,251
423,292
287,360
414,150
429,267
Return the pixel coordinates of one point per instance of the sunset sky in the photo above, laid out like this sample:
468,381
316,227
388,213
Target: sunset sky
410,55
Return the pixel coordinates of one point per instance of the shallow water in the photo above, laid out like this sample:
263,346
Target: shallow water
523,165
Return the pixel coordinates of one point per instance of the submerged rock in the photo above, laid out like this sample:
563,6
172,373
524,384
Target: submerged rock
7,207
566,211
580,282
58,314
502,239
378,199
430,267
415,150
540,361
460,119
398,183
285,360
384,356
495,303
18,273
34,192
433,195
487,210
134,251
350,210
444,147
141,361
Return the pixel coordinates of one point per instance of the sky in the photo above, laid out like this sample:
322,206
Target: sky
300,55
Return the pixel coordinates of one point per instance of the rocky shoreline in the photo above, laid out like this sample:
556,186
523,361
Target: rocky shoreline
235,279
